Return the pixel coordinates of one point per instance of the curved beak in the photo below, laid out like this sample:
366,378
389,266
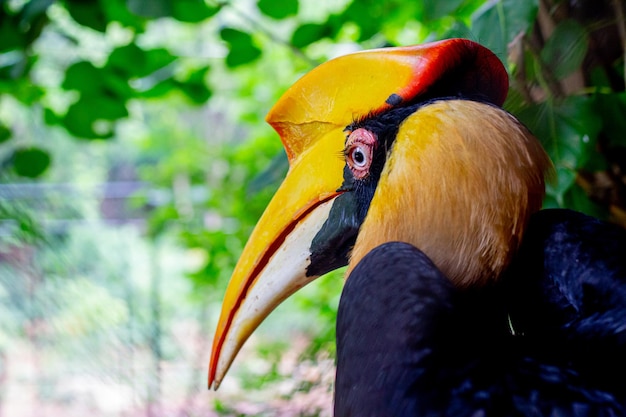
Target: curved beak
310,119
274,262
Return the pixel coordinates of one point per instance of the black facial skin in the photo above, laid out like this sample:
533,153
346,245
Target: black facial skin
332,244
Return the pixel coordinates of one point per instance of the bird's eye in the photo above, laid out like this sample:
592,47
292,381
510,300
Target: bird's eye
359,159
359,152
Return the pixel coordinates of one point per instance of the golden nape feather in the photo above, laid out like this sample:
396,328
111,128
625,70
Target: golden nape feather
466,176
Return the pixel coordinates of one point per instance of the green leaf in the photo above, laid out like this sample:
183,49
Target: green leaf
146,66
89,80
559,186
612,108
241,47
568,131
51,118
195,86
22,89
83,76
11,36
88,13
134,62
458,30
80,119
107,108
30,162
192,11
115,85
367,15
498,23
308,33
5,133
118,11
577,199
278,9
565,50
433,10
599,78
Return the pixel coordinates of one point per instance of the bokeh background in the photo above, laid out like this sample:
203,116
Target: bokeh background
134,162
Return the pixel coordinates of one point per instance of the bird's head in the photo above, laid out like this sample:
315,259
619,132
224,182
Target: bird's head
400,144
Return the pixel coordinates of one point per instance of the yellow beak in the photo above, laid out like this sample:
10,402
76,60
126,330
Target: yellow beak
311,118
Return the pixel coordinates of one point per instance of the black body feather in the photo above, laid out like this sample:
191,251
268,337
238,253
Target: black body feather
548,340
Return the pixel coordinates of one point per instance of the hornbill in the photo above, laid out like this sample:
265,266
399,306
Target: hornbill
462,296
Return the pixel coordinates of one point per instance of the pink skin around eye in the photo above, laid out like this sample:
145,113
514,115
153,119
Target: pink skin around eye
363,136
364,141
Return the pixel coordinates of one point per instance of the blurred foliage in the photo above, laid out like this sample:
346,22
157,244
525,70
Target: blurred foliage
565,59
177,91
